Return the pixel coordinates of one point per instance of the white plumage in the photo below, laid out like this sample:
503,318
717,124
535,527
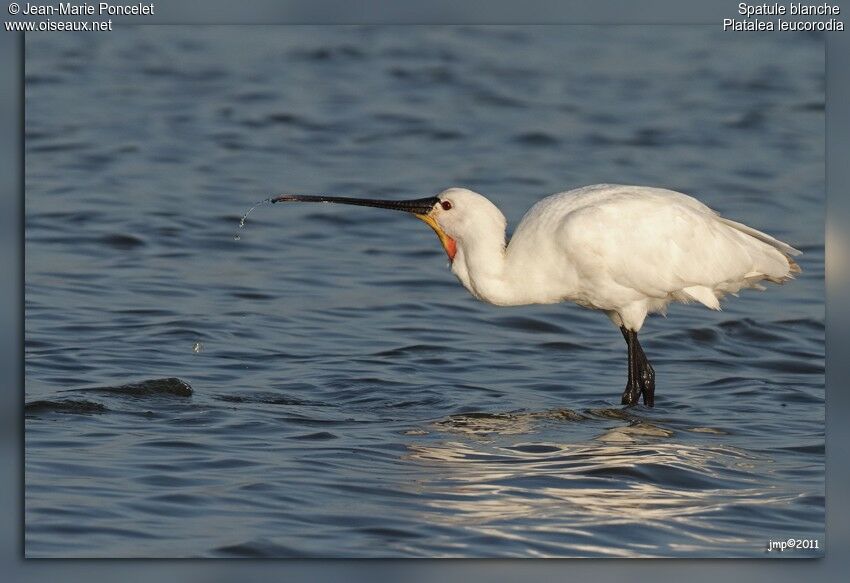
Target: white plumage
625,250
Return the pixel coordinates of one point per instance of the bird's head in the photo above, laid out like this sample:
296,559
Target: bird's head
462,217
457,215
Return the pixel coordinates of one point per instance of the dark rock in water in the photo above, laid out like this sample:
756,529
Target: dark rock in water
77,406
171,386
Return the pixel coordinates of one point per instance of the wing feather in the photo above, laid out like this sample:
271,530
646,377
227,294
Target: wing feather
661,243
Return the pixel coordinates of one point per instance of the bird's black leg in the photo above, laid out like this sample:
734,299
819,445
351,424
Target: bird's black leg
645,375
632,392
641,374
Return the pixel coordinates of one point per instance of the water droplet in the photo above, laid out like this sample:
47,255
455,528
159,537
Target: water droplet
236,237
198,347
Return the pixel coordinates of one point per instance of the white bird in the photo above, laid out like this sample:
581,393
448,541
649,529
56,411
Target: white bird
625,250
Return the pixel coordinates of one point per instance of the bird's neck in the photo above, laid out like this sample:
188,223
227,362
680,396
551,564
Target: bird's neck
481,266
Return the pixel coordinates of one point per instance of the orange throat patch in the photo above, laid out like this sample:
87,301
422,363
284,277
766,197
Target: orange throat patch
450,245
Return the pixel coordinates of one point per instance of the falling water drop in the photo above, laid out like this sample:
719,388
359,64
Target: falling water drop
237,236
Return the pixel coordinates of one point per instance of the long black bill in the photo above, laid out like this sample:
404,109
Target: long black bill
419,206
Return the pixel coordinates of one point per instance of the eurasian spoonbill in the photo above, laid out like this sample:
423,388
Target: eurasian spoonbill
625,250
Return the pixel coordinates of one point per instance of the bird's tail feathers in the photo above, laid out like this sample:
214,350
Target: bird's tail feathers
787,250
784,248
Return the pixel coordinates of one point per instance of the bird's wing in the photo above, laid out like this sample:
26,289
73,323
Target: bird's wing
659,242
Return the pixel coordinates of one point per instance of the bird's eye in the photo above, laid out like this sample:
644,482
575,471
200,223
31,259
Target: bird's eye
447,206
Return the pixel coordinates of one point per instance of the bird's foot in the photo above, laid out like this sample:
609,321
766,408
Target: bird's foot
643,386
646,380
631,395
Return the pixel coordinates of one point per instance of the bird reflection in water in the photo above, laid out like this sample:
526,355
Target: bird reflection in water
606,496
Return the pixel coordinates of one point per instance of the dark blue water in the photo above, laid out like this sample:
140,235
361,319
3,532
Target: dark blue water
323,386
